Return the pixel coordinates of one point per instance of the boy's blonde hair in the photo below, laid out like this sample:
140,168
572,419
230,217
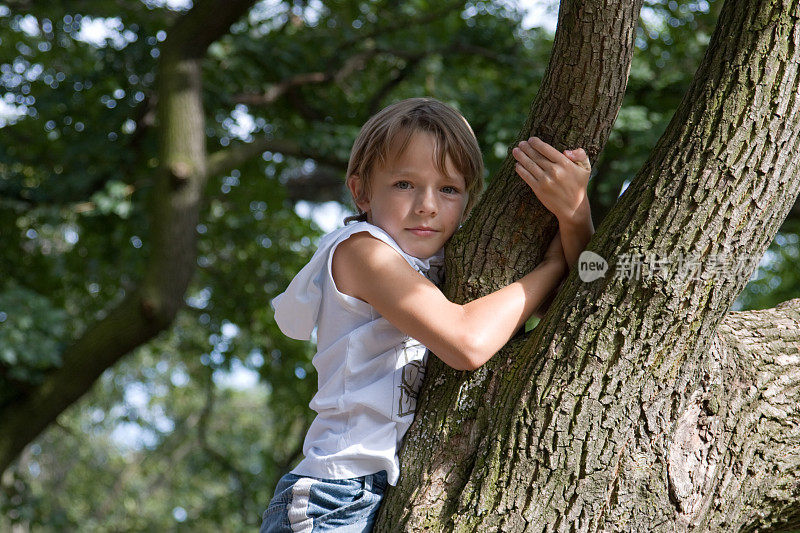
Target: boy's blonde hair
394,125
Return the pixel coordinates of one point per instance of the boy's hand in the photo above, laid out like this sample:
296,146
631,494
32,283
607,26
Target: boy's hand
558,179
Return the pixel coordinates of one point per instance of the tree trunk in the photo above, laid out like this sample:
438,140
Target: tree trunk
639,403
175,204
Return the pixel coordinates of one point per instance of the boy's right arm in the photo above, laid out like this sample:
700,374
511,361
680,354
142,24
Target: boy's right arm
463,336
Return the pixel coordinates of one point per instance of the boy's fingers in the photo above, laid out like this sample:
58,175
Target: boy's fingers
541,161
576,154
545,149
524,154
525,173
579,157
529,163
529,178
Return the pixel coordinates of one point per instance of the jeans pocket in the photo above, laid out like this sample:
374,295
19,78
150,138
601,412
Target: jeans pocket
360,510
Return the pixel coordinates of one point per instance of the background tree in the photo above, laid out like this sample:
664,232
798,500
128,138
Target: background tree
162,437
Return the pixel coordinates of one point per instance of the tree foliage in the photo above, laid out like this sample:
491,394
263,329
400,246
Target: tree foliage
161,438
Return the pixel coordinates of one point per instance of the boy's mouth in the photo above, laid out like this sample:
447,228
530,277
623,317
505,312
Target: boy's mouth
422,231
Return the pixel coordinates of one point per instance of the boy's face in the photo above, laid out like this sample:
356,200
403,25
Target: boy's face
411,201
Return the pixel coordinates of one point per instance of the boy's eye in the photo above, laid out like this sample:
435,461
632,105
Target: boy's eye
449,190
402,185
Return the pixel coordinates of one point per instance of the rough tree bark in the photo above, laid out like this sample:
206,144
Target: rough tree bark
639,403
175,206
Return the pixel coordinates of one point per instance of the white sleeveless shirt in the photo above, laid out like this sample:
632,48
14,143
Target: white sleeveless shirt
369,372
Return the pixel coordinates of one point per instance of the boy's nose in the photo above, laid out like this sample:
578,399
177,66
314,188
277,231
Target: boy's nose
426,202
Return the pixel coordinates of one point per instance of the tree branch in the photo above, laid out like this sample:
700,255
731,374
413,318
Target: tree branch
174,214
223,161
207,21
399,23
322,184
375,101
792,219
357,63
734,457
352,64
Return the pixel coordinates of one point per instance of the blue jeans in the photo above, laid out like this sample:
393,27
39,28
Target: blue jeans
312,504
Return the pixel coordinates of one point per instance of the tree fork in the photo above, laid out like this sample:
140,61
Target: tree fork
504,238
593,410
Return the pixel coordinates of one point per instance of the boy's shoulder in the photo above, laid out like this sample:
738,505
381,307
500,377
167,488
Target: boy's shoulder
363,258
366,238
363,249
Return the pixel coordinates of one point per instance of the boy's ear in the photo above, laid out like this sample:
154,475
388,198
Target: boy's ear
356,187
